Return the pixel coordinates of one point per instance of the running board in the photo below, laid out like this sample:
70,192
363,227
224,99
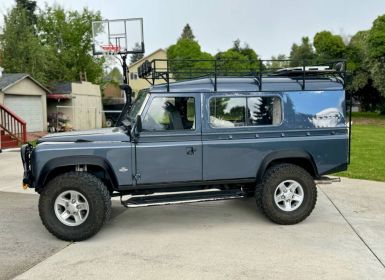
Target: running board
179,198
327,180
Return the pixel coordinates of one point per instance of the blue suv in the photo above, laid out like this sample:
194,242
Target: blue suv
271,136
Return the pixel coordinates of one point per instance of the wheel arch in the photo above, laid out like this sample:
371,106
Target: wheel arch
97,166
298,157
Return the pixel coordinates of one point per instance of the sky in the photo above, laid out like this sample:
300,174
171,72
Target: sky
270,27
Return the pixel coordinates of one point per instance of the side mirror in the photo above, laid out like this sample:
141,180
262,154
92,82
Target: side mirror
137,128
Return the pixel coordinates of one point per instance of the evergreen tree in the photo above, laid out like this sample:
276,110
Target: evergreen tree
181,54
187,33
21,47
30,9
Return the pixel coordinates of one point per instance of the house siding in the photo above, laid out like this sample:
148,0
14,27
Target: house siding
27,87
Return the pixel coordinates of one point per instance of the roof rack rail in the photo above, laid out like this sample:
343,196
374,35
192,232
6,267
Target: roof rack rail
170,70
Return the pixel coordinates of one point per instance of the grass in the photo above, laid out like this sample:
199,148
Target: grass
368,151
367,115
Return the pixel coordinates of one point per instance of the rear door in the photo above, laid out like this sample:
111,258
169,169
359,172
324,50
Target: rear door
232,146
169,149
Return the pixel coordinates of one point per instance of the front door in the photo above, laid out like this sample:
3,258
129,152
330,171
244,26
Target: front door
169,149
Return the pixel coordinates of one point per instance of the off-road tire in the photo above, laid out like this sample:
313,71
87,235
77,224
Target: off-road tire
96,194
264,193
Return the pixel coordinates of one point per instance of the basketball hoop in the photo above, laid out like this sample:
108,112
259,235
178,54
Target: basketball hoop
110,49
118,37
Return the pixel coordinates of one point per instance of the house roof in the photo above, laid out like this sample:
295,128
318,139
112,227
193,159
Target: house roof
62,88
145,58
7,80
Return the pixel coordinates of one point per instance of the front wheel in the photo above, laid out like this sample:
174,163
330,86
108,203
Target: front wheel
74,206
287,194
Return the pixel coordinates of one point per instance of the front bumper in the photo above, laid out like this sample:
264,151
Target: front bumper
26,155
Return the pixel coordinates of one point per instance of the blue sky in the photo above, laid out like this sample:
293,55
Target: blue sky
269,26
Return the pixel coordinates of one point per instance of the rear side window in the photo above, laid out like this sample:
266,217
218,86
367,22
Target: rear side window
245,111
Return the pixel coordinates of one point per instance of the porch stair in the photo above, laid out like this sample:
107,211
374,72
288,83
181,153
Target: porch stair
13,129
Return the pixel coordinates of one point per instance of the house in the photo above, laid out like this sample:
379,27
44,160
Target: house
135,82
74,106
26,98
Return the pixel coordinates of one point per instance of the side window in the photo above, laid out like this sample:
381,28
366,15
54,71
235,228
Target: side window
170,113
228,112
264,110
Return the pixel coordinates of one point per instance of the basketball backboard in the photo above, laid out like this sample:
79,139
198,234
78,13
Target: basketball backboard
118,36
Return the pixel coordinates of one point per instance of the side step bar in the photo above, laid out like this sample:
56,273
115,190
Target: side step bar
178,198
327,180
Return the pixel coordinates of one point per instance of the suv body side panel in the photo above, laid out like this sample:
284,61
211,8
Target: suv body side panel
317,130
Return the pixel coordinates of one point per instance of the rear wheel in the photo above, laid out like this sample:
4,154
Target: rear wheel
74,206
287,194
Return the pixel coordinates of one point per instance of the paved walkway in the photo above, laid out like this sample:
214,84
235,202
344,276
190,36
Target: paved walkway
342,239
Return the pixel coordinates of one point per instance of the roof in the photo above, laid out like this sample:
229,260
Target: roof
145,58
62,88
228,84
7,80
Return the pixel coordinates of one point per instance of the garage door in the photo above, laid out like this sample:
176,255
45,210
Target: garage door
28,108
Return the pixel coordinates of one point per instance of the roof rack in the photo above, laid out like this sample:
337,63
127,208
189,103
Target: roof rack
170,70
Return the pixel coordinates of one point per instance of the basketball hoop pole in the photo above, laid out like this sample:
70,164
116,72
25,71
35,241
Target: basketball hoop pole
125,69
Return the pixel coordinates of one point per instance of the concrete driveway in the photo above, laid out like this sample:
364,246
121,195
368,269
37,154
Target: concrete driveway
344,238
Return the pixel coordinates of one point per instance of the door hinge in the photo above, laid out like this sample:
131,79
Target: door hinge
136,177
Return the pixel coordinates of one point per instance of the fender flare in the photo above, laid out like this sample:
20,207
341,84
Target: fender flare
285,155
55,163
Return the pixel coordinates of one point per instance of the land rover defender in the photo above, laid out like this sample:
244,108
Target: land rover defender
266,134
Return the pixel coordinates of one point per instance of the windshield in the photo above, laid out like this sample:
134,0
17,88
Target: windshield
137,104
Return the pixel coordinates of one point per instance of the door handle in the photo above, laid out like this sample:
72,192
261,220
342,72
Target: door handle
190,151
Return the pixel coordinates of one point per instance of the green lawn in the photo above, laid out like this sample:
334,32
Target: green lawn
368,152
368,115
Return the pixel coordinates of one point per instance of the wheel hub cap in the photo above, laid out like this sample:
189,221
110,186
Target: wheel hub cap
288,195
71,208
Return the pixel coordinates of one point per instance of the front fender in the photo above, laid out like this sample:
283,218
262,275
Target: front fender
60,162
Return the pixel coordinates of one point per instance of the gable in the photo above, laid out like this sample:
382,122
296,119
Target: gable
25,87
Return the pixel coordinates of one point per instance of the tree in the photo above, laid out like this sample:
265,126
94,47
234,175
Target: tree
357,54
68,36
278,62
30,9
301,52
376,52
187,33
187,60
237,60
114,76
21,47
360,84
136,56
329,46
